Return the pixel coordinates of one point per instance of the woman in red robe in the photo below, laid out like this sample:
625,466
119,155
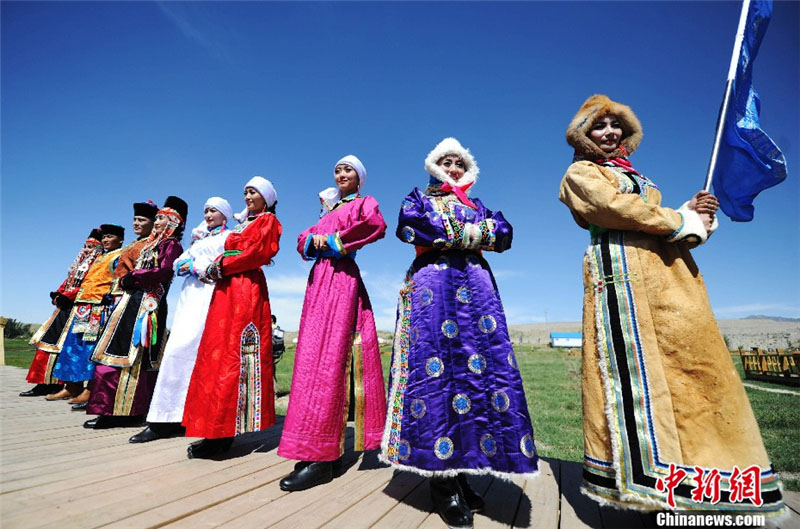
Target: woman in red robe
231,391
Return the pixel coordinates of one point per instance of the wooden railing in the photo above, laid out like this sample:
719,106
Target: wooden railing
772,366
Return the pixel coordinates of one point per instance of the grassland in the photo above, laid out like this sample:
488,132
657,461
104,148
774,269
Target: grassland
552,386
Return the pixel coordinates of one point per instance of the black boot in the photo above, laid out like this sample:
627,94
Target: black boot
40,390
102,422
158,430
308,475
449,502
208,448
474,500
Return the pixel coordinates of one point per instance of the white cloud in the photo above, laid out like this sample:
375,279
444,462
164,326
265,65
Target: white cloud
196,24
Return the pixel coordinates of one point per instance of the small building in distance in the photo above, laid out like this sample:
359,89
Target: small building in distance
565,339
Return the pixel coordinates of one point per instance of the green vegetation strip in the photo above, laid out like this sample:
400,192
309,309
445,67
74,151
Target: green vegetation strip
553,388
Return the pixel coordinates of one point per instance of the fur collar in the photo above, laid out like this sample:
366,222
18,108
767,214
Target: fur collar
452,146
593,109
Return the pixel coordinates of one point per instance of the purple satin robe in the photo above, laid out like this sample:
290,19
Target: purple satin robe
456,401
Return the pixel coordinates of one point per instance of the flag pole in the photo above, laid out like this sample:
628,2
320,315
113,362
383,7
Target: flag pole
723,111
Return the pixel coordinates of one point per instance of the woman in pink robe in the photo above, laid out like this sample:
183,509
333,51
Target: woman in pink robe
337,337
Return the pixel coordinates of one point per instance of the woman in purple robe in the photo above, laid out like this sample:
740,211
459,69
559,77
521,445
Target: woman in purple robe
337,341
456,401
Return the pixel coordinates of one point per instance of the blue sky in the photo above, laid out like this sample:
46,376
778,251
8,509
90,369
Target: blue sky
107,103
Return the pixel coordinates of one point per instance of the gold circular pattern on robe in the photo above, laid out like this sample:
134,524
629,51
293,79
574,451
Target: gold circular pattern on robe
450,328
434,366
464,295
418,408
403,450
425,296
487,324
512,360
443,447
408,233
500,401
488,445
476,363
527,446
461,403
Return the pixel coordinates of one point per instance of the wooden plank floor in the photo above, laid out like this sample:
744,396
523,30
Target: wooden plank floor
54,473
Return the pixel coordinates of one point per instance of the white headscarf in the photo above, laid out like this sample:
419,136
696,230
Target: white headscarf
331,195
265,189
221,205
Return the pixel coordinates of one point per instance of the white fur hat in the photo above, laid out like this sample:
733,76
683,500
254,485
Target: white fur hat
452,146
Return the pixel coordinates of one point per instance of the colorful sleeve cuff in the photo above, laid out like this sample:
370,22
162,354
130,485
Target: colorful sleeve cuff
488,235
309,252
336,245
179,264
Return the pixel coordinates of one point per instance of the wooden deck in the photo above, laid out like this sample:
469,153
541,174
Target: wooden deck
57,474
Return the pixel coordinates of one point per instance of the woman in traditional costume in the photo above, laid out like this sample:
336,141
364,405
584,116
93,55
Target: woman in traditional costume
663,408
337,336
231,389
46,338
129,350
456,401
88,316
180,353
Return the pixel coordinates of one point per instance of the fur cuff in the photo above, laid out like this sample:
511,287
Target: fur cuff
691,228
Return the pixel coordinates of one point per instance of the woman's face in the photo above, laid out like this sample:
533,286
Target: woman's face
453,166
606,133
346,179
255,202
214,218
160,224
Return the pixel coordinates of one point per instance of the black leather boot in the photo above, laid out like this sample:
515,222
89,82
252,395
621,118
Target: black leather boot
308,475
102,422
474,500
39,390
449,502
208,448
158,430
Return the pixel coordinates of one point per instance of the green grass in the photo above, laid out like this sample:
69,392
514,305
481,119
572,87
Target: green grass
552,383
18,352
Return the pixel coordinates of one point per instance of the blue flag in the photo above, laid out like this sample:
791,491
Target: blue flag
748,161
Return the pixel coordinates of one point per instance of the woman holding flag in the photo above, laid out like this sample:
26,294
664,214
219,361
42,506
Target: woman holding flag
666,421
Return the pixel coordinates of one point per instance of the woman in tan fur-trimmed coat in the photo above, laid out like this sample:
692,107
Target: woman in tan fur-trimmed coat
662,402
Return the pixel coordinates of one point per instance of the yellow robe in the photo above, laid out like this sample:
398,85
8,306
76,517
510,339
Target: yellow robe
659,385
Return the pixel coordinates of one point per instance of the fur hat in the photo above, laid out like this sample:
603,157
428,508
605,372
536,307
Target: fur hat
95,234
452,146
177,204
145,209
113,229
593,109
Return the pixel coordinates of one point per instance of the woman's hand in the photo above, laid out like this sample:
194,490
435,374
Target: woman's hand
184,268
320,242
704,202
708,220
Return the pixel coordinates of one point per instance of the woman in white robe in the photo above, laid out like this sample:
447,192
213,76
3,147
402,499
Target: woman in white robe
180,353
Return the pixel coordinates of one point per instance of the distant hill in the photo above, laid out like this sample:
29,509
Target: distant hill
773,318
